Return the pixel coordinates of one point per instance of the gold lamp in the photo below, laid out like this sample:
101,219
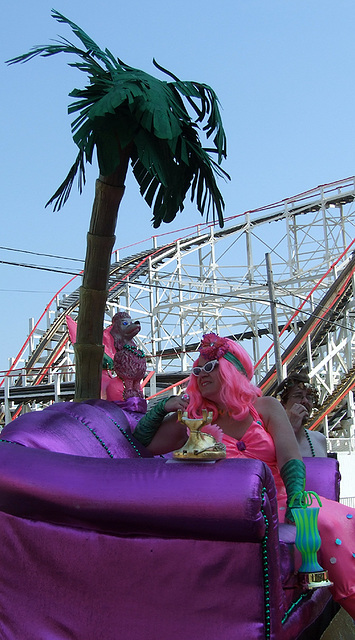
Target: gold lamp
200,446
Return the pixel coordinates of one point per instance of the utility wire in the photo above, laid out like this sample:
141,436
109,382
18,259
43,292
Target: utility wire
45,255
25,291
181,289
33,266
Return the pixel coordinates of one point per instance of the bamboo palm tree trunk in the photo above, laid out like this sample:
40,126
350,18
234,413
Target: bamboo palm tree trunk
93,292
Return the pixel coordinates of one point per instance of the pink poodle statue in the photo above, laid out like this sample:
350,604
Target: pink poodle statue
122,357
129,361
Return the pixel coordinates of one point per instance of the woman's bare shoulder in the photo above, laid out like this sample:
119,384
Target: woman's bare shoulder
266,404
272,413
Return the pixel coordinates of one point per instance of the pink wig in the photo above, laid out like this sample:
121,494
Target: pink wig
238,394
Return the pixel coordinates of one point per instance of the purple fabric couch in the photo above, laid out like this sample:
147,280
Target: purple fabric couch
140,548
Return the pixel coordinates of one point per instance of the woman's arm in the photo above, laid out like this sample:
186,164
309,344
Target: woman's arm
160,432
289,460
170,436
278,425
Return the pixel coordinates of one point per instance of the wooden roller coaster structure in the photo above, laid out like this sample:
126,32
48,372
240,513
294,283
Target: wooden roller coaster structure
208,279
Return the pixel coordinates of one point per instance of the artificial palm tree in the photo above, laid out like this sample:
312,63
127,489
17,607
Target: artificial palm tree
130,116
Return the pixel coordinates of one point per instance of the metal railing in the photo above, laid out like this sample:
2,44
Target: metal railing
349,502
341,445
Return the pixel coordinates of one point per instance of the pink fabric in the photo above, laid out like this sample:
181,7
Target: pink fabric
107,339
108,342
72,327
112,387
336,522
214,430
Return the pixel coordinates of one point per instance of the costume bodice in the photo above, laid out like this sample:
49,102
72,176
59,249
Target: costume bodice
256,443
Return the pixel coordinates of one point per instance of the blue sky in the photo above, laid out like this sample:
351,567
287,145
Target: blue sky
283,72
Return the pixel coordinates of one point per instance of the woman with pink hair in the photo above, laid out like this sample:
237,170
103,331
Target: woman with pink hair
236,391
221,383
252,426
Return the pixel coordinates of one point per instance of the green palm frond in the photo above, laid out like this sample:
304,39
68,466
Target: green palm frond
123,106
62,194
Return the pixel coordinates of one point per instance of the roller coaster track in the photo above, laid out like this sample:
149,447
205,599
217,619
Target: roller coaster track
215,280
315,332
332,403
131,267
317,328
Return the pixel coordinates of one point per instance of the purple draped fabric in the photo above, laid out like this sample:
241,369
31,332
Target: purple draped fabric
132,549
97,545
96,428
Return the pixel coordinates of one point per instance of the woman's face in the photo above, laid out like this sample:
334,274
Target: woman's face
208,382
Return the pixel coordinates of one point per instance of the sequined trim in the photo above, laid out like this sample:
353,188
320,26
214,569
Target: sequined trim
125,434
103,444
266,570
295,604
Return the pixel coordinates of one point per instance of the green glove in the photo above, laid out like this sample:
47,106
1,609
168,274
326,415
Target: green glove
148,425
293,475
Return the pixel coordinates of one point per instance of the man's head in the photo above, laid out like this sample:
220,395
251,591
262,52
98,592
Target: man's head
297,390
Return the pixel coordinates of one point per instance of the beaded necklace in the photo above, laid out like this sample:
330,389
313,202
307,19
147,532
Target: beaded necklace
103,444
134,349
125,434
310,443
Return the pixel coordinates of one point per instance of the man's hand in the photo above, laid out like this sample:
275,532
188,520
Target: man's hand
298,415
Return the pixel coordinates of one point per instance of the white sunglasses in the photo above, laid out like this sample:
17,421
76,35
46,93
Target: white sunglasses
208,367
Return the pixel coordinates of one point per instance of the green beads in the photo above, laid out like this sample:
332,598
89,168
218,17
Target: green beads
134,349
266,571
